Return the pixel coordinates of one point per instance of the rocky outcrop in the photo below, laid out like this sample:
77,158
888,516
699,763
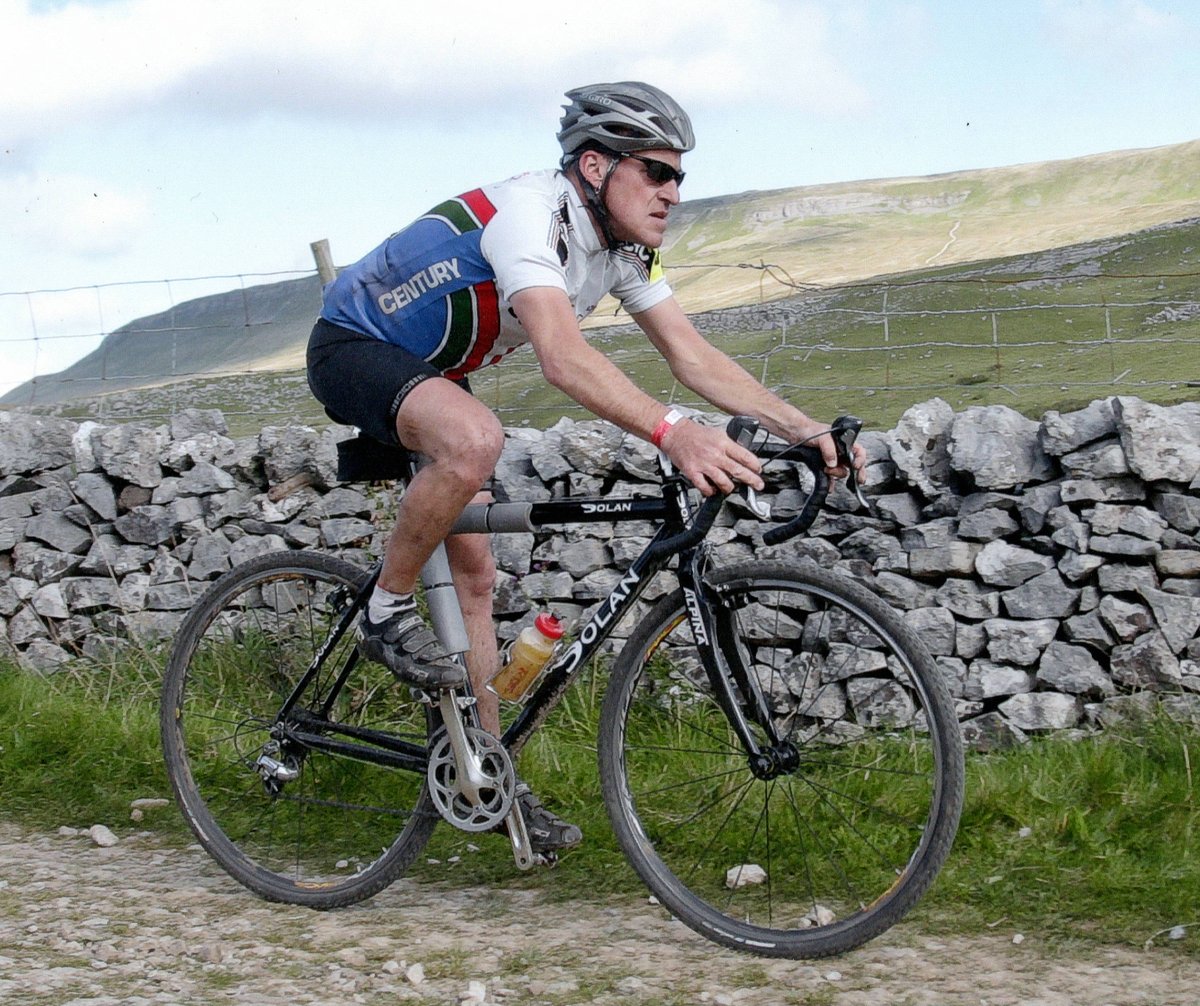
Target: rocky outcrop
1052,567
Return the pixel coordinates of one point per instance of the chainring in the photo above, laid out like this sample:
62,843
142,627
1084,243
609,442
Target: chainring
495,795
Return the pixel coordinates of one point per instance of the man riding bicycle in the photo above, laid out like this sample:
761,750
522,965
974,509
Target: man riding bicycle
523,261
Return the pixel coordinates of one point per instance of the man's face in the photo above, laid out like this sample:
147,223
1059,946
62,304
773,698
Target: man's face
638,206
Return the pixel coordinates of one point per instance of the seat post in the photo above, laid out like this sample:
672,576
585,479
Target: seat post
445,615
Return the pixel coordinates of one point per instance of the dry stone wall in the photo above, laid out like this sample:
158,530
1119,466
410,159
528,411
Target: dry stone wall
1052,567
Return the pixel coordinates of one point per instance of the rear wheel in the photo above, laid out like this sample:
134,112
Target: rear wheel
292,807
834,836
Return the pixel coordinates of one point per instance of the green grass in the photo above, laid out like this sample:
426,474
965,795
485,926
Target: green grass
77,748
1099,837
1095,840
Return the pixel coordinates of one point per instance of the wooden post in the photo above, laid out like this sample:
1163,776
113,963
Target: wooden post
324,259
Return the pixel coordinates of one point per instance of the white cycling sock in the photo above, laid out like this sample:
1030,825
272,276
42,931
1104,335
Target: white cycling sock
384,604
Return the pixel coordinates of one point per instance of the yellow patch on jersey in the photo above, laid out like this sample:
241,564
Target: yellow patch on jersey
656,266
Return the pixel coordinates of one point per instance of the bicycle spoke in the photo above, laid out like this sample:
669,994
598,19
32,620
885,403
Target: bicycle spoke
687,783
844,812
323,827
746,856
702,859
828,854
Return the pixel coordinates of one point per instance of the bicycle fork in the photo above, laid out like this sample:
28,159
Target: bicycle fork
726,666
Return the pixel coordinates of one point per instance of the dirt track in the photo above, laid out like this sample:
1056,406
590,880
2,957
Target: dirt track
143,922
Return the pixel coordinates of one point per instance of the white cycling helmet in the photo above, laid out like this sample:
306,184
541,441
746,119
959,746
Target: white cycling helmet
624,117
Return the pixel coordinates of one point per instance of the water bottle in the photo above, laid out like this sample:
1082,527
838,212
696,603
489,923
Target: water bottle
529,655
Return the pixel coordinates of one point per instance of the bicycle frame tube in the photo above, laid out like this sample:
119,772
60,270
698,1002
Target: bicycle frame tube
674,509
507,518
335,635
568,664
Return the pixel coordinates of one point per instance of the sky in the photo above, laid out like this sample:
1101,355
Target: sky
147,146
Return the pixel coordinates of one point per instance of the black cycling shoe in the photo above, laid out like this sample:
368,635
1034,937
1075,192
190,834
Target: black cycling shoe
407,647
548,833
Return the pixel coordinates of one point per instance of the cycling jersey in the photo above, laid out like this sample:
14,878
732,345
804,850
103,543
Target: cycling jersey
441,287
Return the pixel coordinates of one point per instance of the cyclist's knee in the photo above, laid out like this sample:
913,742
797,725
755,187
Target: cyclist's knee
471,460
482,445
461,435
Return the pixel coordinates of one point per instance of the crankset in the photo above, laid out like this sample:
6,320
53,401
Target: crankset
475,792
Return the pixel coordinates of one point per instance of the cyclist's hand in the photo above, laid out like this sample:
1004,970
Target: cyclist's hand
709,459
832,467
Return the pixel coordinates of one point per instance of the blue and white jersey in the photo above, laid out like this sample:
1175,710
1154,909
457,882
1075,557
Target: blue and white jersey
441,287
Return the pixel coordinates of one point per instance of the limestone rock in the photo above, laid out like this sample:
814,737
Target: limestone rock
1074,670
30,443
59,533
1034,711
1178,617
96,490
130,452
1147,662
1018,642
1161,442
1045,596
1064,432
1099,461
997,448
992,732
920,446
1003,565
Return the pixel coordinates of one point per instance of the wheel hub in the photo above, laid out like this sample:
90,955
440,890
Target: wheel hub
775,761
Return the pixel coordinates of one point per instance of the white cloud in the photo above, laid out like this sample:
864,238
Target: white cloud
377,58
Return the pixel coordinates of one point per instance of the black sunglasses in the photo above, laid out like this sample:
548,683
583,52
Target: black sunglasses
659,172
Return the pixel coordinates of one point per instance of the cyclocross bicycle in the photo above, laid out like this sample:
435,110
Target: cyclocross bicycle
778,756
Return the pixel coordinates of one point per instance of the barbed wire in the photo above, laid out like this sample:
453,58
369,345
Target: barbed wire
781,364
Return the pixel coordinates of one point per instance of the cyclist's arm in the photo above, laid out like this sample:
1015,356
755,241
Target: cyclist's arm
697,364
706,456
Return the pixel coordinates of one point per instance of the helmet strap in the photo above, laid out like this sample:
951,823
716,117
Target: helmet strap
595,198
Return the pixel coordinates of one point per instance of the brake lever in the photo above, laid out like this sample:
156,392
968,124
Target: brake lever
760,508
845,431
742,430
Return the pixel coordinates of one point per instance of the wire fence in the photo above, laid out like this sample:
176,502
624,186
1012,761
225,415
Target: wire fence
236,342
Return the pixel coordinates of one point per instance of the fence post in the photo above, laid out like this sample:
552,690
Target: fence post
996,344
324,260
887,336
1112,357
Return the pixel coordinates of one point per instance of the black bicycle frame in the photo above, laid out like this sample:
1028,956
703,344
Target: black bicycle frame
681,534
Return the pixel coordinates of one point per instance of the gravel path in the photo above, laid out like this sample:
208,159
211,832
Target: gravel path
144,922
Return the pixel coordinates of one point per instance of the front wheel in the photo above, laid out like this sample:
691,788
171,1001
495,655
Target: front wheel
323,805
832,838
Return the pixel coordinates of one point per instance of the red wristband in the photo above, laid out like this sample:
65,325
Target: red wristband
665,424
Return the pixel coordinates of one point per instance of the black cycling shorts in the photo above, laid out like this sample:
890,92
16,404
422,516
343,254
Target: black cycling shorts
361,380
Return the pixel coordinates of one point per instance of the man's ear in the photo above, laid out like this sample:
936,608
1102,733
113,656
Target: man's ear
592,166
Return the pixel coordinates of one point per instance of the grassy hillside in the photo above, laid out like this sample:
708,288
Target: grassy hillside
834,234
1049,330
983,243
